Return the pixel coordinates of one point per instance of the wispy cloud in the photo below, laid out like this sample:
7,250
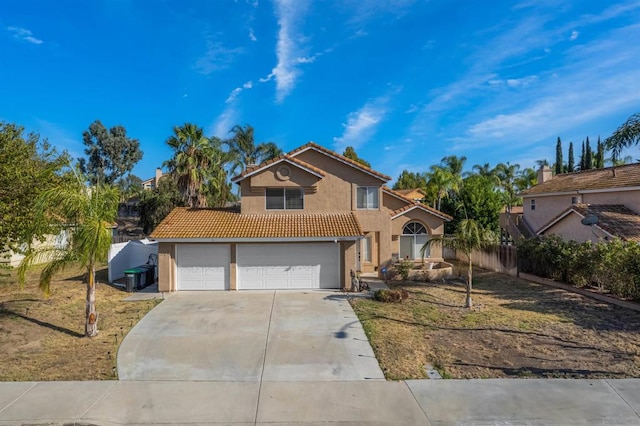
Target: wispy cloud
515,82
252,35
574,35
224,122
362,124
217,57
235,92
60,138
24,34
287,71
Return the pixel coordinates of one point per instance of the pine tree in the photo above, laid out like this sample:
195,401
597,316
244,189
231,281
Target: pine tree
558,168
570,162
588,156
600,155
582,158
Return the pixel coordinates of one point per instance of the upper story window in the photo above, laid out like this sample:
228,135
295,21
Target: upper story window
533,204
368,197
285,198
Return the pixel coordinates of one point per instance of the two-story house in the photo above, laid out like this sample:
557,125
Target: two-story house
591,205
308,219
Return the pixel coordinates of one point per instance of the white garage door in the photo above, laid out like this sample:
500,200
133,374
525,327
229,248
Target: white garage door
288,266
203,266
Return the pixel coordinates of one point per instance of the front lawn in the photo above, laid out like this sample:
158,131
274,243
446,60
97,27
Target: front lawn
516,329
42,338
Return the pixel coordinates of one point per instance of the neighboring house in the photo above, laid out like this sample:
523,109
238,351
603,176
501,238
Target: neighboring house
415,194
307,219
609,198
152,183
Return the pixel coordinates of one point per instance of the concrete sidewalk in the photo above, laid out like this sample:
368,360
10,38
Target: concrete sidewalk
416,402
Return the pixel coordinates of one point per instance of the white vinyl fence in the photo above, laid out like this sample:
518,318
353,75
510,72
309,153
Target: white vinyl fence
123,256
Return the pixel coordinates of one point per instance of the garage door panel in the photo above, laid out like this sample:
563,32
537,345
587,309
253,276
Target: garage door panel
292,266
203,266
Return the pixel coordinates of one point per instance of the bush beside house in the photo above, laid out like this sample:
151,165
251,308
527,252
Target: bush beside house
612,267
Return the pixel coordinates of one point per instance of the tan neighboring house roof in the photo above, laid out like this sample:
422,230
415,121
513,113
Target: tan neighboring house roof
224,224
407,192
619,177
341,158
615,219
413,205
286,158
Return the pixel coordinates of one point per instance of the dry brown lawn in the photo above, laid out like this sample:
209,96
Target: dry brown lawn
42,338
516,329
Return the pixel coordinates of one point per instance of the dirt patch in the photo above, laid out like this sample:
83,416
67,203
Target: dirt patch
517,329
42,339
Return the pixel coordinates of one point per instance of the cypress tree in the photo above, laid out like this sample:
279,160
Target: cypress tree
600,155
582,162
570,162
558,156
588,156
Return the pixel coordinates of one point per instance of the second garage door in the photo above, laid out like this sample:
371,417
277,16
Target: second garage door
203,266
288,266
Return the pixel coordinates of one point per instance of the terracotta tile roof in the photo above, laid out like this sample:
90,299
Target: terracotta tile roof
611,177
408,191
616,219
268,163
411,204
341,157
184,222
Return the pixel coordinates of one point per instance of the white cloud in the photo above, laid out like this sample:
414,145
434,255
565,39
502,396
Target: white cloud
217,57
235,92
289,12
361,124
514,82
574,35
252,35
24,34
224,122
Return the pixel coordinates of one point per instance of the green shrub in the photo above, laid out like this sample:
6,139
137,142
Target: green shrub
612,266
396,295
403,268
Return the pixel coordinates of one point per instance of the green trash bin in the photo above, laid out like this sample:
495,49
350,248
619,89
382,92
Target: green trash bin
133,277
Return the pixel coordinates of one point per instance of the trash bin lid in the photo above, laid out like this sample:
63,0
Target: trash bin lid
134,271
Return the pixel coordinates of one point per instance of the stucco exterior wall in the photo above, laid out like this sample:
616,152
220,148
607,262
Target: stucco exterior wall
166,267
348,264
548,207
332,193
570,228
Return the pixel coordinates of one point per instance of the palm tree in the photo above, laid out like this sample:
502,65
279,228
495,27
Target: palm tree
468,236
244,151
85,215
195,162
507,174
439,182
625,136
526,178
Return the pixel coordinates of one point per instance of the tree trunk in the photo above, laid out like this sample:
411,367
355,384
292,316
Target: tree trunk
91,320
469,302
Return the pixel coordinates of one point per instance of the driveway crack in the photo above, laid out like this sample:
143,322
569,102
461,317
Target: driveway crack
264,358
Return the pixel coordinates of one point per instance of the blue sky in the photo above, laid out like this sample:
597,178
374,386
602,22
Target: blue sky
404,82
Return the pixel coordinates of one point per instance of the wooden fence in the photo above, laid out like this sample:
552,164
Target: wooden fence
503,259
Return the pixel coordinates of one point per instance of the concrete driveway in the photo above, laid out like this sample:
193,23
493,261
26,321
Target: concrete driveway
278,336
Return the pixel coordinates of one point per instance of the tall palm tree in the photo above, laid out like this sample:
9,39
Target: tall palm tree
625,136
244,151
196,161
85,215
526,178
439,182
468,236
507,174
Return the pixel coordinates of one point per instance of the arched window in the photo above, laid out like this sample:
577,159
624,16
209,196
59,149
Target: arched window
414,236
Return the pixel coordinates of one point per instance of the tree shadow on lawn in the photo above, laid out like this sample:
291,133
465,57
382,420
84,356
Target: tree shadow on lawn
559,341
580,310
543,372
8,313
